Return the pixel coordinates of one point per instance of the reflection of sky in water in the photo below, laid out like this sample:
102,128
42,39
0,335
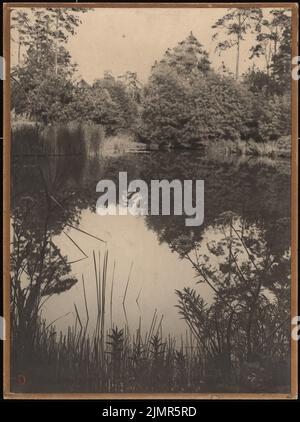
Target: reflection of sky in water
250,188
156,273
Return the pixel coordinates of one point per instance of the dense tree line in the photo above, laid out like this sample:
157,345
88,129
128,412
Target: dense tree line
44,85
184,103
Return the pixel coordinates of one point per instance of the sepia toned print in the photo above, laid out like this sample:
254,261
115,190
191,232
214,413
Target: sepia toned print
151,201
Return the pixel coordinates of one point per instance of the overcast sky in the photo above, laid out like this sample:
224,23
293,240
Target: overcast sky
132,39
118,40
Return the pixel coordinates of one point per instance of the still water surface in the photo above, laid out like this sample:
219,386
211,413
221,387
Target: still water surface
141,247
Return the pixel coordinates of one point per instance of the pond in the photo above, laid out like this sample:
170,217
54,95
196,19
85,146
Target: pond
144,268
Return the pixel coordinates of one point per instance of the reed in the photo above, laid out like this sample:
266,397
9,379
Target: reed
103,358
65,139
250,148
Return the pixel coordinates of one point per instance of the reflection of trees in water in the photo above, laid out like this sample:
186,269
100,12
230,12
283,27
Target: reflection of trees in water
258,192
254,189
245,330
38,271
243,324
54,185
44,202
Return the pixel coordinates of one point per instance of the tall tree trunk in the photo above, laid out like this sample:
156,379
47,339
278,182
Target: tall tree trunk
238,48
237,60
19,48
19,53
56,46
275,40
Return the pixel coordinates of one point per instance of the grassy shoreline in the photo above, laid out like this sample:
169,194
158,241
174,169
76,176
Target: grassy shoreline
91,139
99,359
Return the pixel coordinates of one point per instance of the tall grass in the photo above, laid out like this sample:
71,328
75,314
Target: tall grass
269,149
121,143
110,358
68,139
105,357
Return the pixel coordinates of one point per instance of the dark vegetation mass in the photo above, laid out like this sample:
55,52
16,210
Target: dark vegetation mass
184,104
240,341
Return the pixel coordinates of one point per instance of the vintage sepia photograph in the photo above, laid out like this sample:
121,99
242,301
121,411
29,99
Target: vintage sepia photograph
150,185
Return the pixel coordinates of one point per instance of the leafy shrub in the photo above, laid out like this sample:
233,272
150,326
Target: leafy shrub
178,111
273,117
107,103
